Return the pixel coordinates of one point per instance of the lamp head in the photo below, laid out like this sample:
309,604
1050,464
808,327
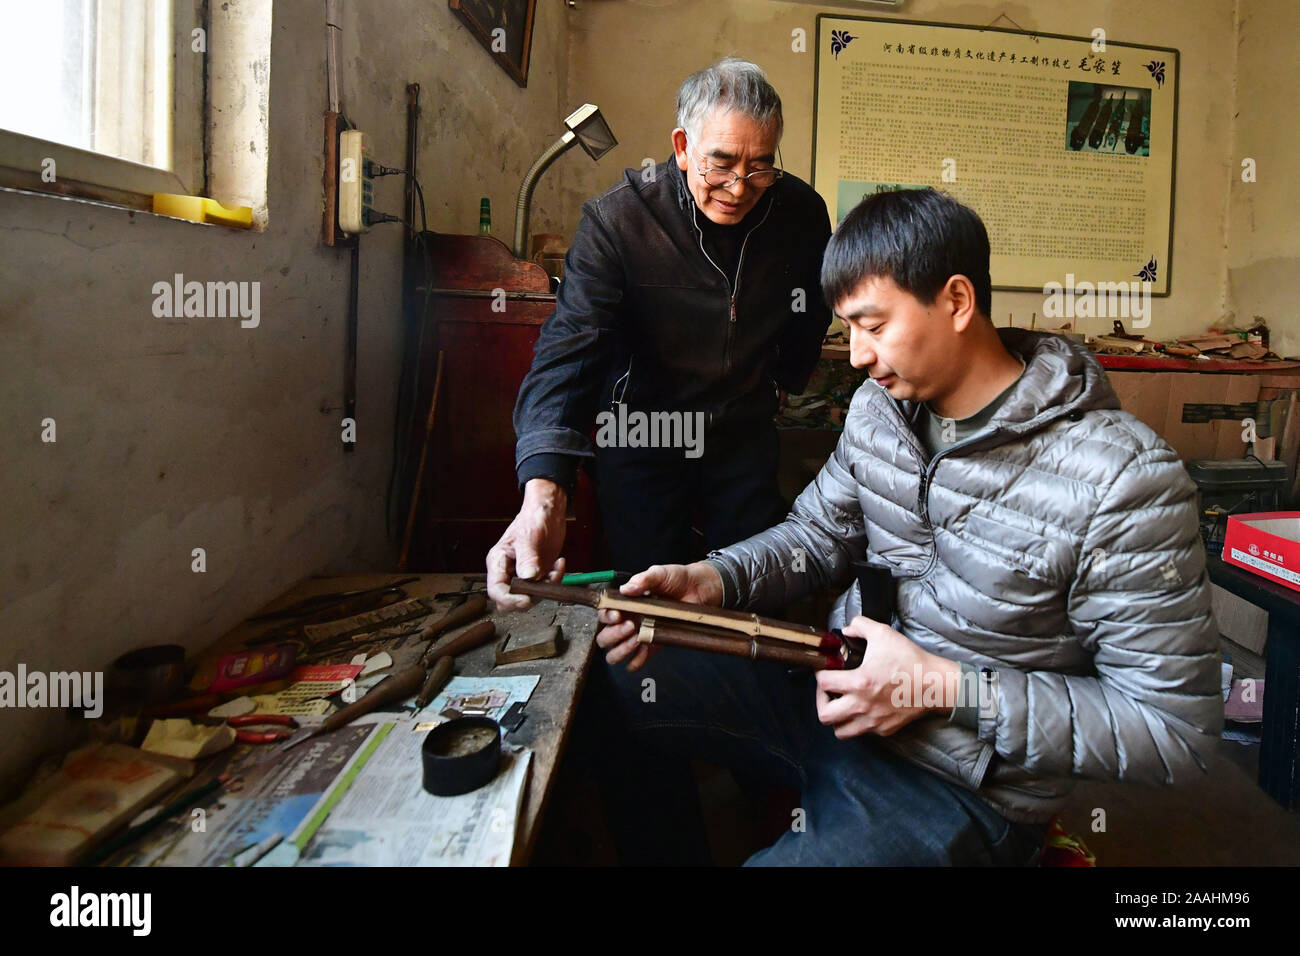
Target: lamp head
592,131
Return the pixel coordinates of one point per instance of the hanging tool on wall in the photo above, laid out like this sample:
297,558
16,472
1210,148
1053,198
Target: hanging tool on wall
419,472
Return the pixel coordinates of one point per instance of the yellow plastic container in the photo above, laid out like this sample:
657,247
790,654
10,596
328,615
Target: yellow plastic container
198,209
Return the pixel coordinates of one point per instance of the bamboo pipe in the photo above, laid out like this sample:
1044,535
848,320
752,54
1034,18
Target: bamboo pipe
671,634
753,625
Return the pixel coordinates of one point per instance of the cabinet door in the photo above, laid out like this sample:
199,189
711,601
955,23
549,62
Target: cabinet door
470,492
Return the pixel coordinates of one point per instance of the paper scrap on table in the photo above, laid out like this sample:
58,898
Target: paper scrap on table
189,741
376,663
305,697
385,817
492,695
234,708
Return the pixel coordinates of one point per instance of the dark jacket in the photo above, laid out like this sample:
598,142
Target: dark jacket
1058,548
641,302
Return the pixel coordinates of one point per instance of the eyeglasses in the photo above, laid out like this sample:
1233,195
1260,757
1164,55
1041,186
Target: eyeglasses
725,178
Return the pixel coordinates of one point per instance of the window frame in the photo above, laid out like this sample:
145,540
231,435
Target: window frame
87,174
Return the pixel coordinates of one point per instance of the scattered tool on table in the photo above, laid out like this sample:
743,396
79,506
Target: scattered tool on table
717,630
320,602
513,717
404,683
286,726
534,645
474,608
439,674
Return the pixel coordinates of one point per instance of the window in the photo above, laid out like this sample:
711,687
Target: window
102,98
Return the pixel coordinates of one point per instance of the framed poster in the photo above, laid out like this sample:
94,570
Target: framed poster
504,27
1063,145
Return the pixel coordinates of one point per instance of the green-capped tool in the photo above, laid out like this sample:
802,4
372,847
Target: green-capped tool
585,578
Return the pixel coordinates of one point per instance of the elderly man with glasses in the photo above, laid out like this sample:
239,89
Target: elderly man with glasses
691,288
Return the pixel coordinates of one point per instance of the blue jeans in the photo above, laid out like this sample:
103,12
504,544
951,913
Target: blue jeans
860,804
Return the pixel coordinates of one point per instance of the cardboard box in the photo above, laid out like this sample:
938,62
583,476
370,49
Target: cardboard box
1200,414
1239,621
1266,543
1159,400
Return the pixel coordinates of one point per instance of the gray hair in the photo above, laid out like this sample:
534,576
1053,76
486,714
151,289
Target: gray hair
730,84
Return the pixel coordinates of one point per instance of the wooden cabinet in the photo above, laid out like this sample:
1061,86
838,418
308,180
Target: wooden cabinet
469,494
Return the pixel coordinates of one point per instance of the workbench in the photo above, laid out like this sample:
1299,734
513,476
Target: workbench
550,711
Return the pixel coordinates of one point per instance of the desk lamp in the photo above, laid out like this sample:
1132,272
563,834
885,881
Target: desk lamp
587,128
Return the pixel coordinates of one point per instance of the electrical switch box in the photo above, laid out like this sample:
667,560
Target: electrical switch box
356,186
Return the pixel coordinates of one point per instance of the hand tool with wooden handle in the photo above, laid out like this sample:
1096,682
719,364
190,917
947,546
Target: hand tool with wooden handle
473,637
474,608
436,681
405,682
393,688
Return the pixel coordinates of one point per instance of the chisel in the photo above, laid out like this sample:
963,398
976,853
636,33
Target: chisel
404,683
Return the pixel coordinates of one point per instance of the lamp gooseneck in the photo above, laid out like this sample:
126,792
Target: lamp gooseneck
522,204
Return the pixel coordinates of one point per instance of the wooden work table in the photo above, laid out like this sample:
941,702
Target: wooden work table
550,711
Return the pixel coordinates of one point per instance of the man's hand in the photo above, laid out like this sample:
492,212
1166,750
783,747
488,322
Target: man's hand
697,583
530,545
886,691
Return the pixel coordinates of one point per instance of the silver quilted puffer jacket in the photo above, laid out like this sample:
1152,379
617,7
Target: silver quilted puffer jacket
1058,546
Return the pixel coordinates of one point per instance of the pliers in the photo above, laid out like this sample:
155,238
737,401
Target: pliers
287,723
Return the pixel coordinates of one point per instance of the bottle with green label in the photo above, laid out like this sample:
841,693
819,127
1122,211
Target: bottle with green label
484,217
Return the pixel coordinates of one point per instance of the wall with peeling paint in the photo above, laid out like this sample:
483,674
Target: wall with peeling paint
177,434
1264,216
630,55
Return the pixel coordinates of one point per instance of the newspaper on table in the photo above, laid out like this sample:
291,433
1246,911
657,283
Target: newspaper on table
385,818
354,797
277,798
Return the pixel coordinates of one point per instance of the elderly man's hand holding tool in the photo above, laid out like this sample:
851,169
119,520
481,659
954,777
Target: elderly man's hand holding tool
695,583
530,546
896,683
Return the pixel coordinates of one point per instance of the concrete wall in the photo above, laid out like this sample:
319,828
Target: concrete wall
174,434
628,56
1263,237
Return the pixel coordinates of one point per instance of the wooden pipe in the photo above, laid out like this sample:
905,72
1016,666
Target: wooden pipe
672,634
677,624
739,621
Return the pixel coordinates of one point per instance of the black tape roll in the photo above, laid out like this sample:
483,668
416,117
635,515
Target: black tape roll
455,760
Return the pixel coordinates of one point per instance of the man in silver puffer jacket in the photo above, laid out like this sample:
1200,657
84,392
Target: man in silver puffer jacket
1050,605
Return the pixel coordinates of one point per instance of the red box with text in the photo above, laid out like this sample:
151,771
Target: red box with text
1267,543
